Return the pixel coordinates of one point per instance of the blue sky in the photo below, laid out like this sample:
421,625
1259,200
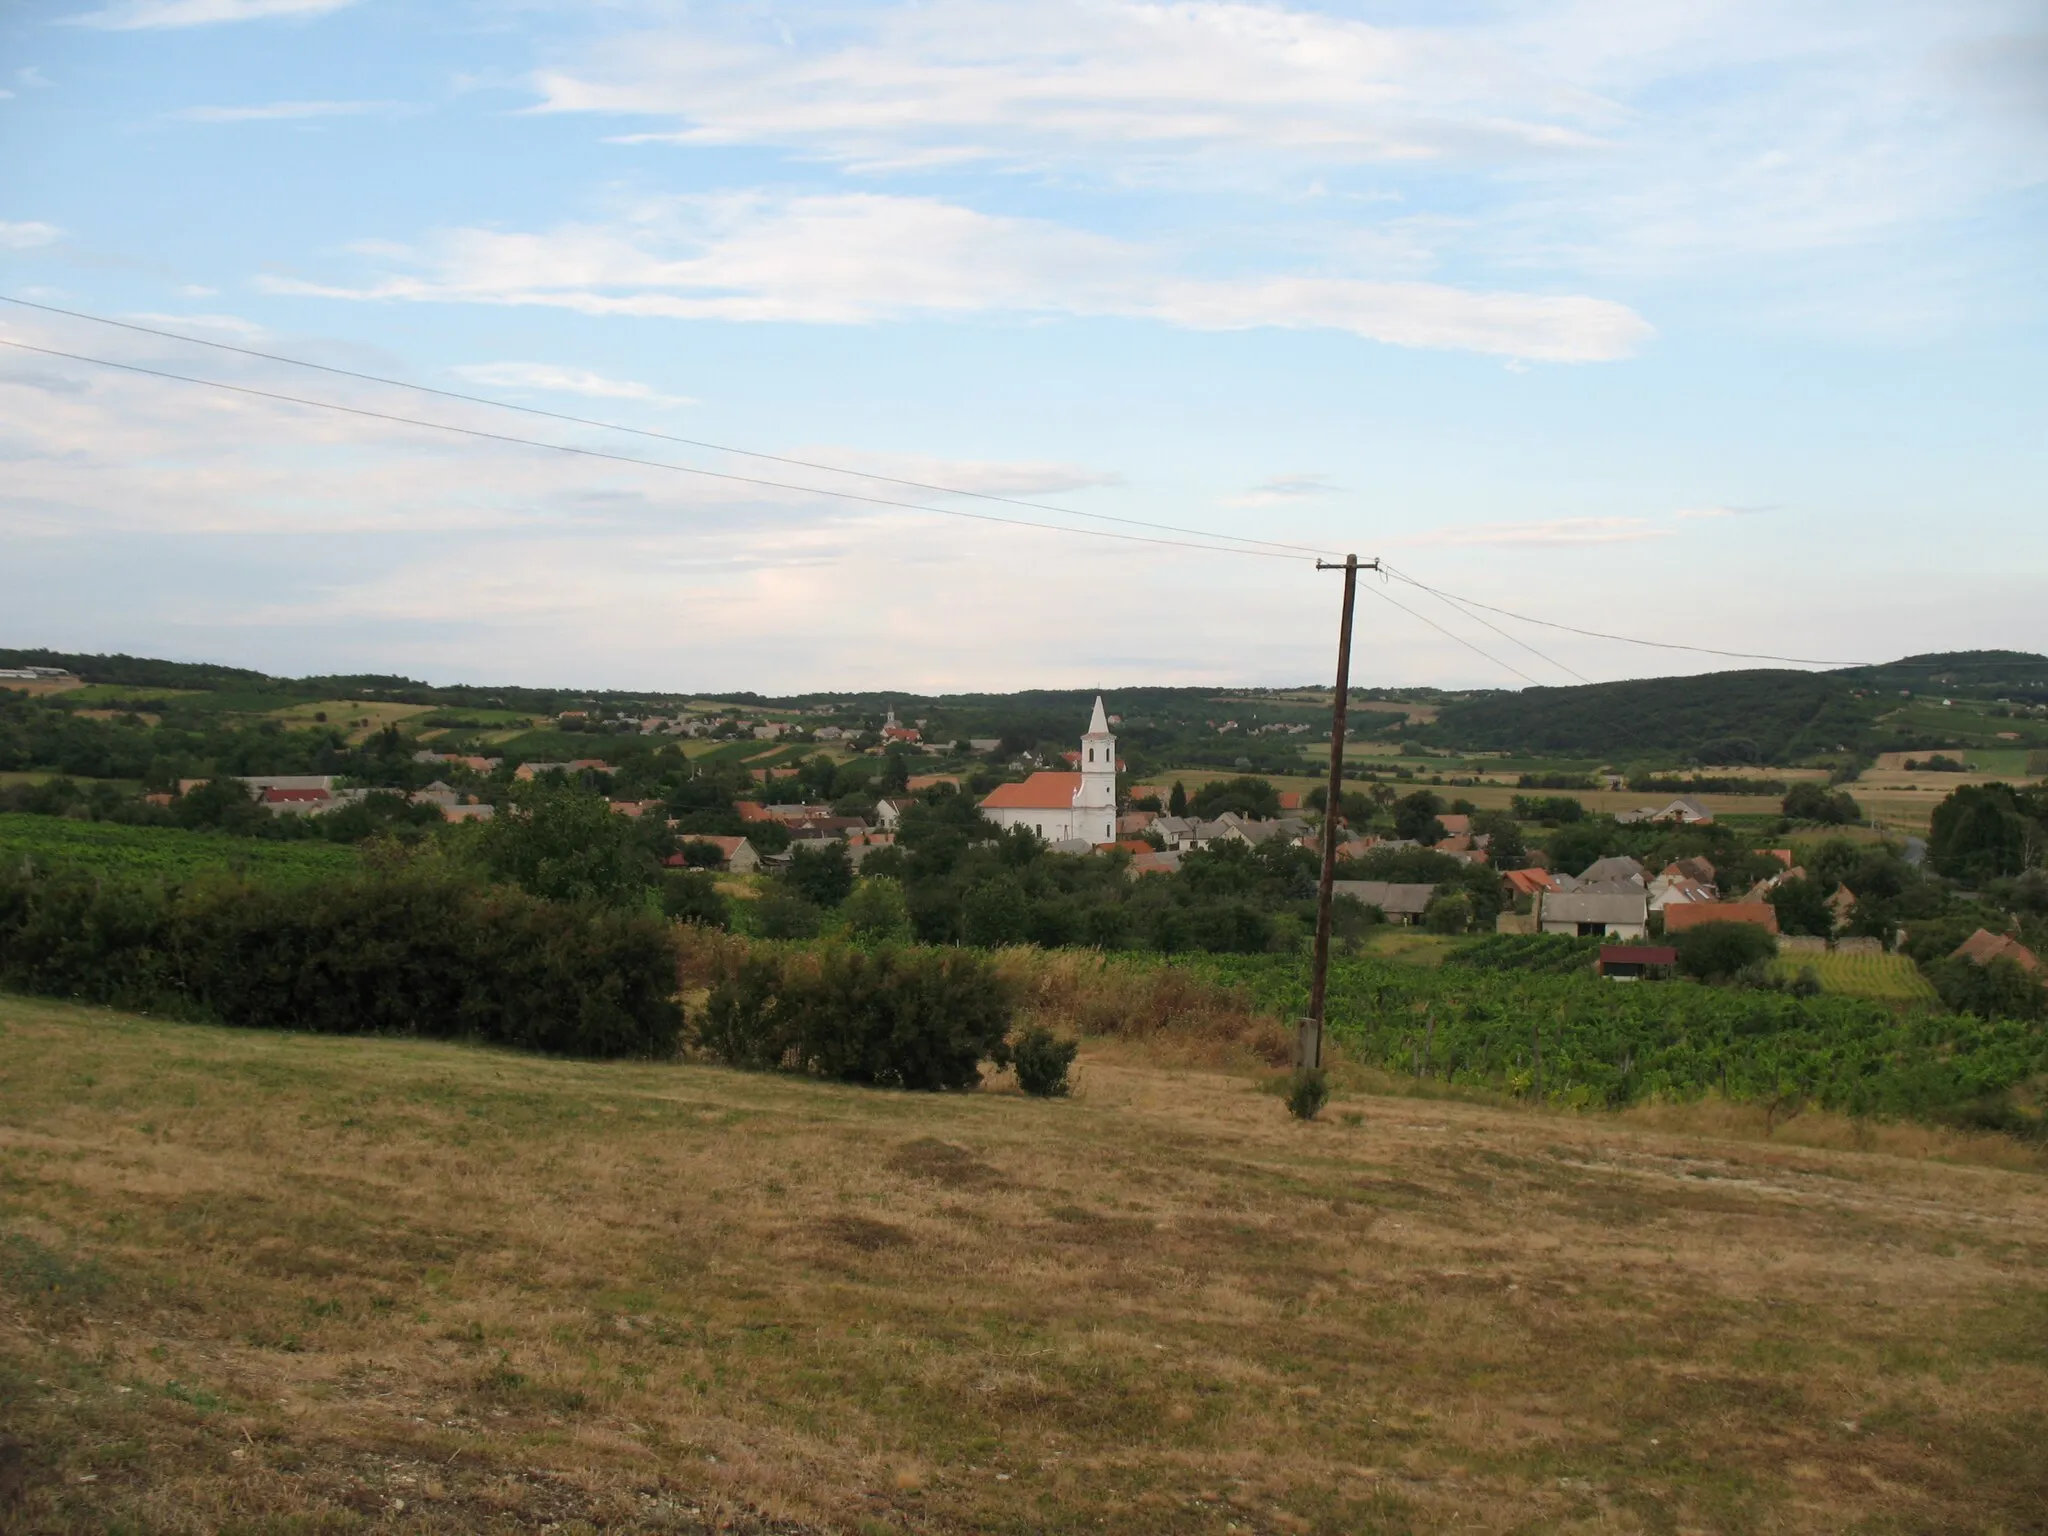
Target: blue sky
1714,323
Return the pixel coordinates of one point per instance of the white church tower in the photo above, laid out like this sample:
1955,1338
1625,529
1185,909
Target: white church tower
1095,800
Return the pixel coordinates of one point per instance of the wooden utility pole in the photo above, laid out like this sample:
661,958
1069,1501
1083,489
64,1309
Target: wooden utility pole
1308,1040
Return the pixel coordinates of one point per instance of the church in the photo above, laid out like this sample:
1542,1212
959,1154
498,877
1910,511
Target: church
1062,807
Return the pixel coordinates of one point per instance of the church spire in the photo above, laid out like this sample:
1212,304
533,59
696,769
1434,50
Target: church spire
1098,723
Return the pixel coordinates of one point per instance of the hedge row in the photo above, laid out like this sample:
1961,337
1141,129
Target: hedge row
413,952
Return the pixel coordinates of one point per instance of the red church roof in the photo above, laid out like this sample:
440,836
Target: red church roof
1040,792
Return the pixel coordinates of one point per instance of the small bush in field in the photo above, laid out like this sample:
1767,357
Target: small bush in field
894,1018
1042,1061
1308,1093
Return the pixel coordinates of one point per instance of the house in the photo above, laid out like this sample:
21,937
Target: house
1635,962
634,808
1529,882
1984,946
1455,825
825,828
1692,914
1063,807
526,772
1684,810
891,731
735,854
917,783
751,810
1243,829
1152,863
788,813
1290,801
1842,904
1148,792
1399,903
890,811
469,812
1133,822
1131,845
1617,914
297,802
1617,872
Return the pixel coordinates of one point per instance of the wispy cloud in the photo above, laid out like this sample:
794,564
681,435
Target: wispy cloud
981,476
136,15
1557,531
571,381
286,111
24,236
1284,490
233,325
857,258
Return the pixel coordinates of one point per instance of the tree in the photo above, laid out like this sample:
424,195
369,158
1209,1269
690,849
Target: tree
691,896
782,914
1983,831
1814,802
1415,817
1720,951
876,912
1448,912
2001,990
820,873
1177,800
1246,795
1802,907
566,844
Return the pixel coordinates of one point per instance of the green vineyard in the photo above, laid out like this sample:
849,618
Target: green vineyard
165,853
1882,978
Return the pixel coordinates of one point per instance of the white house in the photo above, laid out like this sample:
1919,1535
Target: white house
1066,806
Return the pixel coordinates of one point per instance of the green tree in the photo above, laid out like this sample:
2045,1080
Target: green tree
1983,831
1449,912
691,896
1720,951
1802,908
821,873
876,912
566,844
1177,799
783,914
1415,817
1246,795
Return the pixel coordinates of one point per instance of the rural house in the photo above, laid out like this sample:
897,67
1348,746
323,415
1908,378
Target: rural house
1693,914
1616,914
1400,903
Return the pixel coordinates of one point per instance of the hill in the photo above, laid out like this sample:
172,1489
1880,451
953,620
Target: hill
1761,716
265,1282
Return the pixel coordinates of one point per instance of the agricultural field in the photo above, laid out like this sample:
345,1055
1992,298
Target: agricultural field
121,695
357,718
264,1282
167,853
1882,978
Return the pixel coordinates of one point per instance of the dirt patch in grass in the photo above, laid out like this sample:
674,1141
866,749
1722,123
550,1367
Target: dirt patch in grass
261,1282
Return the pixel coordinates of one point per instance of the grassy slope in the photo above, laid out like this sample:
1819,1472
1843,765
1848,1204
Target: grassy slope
302,1277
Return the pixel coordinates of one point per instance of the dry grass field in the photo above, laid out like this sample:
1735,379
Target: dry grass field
267,1283
356,717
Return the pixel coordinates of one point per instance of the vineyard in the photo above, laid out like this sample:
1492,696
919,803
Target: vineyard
1548,954
1882,978
1580,1041
166,853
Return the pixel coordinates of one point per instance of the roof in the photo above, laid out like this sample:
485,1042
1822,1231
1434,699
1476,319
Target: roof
1040,792
1616,867
1691,914
294,796
1098,725
919,781
1387,895
727,846
1455,824
1638,954
1290,799
1595,907
751,810
1984,946
1529,881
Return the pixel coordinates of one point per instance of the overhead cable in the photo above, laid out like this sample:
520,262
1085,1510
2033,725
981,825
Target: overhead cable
626,458
666,437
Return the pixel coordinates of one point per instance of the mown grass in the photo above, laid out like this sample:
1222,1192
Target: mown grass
1882,978
265,1282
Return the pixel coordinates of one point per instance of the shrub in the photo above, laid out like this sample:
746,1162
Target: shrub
897,1018
781,914
1719,951
420,952
691,896
1308,1092
1042,1061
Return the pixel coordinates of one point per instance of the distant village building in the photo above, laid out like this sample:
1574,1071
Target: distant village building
1066,807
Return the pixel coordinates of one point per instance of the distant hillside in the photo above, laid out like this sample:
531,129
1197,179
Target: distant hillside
1763,716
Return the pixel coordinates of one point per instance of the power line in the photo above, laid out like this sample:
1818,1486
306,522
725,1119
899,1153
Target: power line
666,437
1662,645
1432,623
626,458
1477,619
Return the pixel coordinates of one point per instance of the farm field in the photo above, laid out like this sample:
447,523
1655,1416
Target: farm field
290,1282
356,717
169,853
1884,978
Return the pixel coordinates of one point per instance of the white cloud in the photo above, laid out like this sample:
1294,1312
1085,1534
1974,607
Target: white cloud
286,111
23,236
1284,490
1556,531
573,381
853,258
135,15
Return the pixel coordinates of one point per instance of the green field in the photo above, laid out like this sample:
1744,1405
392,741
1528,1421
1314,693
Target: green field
1882,978
167,853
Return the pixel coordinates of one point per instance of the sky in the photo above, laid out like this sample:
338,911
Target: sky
1714,324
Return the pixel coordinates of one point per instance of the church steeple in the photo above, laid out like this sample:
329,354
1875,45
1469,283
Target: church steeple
1095,800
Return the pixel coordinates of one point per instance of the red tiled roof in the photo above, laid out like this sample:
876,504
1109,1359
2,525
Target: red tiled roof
1040,792
1530,881
1455,825
1690,914
295,796
1290,799
1984,946
919,781
1638,954
751,810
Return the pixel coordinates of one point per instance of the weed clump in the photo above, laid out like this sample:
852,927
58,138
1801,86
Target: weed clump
1042,1061
1308,1092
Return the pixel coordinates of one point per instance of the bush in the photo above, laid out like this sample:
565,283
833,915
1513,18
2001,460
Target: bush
898,1018
2000,990
691,896
419,952
1308,1092
781,914
1042,1061
1721,951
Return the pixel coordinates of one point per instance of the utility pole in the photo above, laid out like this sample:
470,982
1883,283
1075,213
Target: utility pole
1308,1040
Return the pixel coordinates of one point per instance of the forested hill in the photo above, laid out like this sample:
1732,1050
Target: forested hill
1762,716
